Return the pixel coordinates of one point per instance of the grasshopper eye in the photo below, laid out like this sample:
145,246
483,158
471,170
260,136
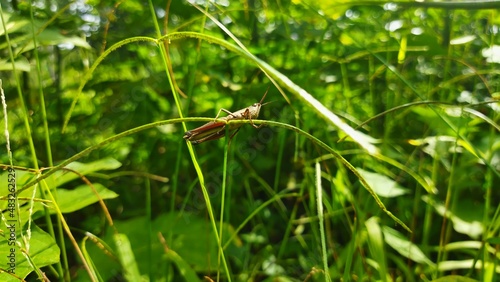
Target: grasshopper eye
255,104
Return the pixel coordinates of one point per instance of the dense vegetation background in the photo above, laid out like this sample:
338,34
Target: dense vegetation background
97,94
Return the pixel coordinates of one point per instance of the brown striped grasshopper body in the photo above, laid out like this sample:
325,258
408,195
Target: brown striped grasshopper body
216,129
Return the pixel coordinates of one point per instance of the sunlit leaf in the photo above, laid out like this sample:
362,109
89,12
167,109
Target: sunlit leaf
376,245
383,185
466,264
21,64
65,176
404,246
471,226
82,196
53,37
462,40
43,251
126,257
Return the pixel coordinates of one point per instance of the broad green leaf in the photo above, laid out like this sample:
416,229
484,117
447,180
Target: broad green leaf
382,185
65,176
404,246
54,37
21,64
22,177
471,225
437,123
467,264
43,251
81,196
23,198
68,201
12,23
20,31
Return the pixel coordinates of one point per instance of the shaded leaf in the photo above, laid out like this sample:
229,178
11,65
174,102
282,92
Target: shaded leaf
187,271
493,240
189,236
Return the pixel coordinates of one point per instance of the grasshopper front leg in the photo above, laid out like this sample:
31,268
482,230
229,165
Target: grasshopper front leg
248,116
223,110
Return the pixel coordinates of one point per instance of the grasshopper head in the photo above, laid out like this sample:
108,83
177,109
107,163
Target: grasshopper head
255,108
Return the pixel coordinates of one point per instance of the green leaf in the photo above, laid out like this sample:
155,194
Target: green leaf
21,64
50,37
13,23
383,185
333,9
187,235
43,251
68,201
444,121
81,196
376,246
493,240
127,258
405,247
65,176
183,266
454,278
466,218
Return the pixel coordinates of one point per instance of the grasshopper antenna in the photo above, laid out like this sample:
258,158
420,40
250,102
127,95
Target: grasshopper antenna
264,97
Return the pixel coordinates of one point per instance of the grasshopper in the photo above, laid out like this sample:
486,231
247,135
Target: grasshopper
214,130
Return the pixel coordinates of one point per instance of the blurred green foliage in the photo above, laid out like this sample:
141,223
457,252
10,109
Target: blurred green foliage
357,59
